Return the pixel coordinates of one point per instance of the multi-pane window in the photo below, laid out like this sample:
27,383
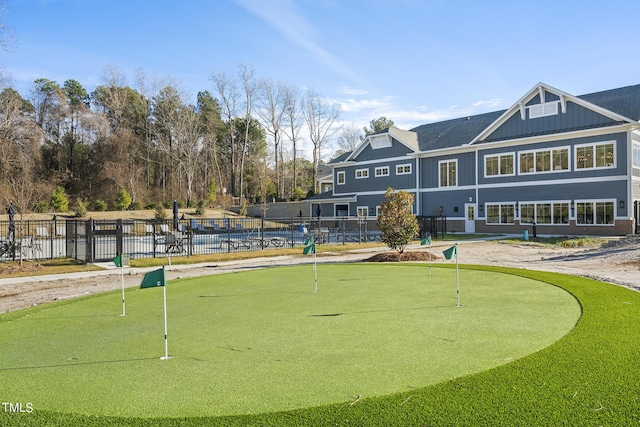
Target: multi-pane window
362,173
595,156
499,165
382,171
340,176
362,211
635,155
594,213
500,213
544,160
448,173
403,169
544,213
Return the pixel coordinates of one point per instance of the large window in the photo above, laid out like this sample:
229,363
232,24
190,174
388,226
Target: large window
592,156
499,165
544,160
544,213
448,173
594,213
635,155
340,178
500,213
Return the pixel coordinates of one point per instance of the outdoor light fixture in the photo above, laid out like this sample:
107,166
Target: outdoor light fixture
441,210
621,204
480,208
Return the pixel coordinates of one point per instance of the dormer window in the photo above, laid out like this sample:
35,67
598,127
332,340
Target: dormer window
543,110
379,141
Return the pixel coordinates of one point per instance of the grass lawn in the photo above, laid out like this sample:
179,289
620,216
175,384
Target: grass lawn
260,342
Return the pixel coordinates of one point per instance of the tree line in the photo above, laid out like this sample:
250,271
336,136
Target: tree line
241,142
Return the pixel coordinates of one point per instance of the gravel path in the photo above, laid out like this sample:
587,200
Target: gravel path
617,261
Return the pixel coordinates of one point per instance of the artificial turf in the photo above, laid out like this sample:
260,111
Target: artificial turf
356,307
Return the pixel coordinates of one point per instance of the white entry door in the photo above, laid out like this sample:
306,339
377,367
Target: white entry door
470,218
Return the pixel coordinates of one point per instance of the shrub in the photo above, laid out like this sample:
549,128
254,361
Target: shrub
123,200
161,213
135,206
200,210
41,207
80,208
59,201
298,194
100,205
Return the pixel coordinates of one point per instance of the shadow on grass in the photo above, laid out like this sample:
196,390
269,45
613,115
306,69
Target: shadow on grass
71,365
380,311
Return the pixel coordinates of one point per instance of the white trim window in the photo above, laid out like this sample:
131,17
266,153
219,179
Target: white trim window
635,154
595,212
544,213
500,213
596,156
544,109
362,211
499,165
537,161
379,141
340,178
448,176
404,169
382,171
362,173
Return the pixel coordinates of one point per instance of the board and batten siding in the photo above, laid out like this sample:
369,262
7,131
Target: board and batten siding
430,170
373,183
397,149
621,156
607,190
449,200
577,117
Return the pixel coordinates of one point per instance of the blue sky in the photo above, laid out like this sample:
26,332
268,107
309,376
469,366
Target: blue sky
413,61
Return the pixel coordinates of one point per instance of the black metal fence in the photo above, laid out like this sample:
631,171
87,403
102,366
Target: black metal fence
102,240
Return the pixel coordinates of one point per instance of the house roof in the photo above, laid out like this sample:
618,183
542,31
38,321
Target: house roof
624,101
454,132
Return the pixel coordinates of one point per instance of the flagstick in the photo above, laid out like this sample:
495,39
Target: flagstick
122,280
457,277
166,342
315,272
430,256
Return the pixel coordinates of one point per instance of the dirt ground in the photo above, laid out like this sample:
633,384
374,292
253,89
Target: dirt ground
616,261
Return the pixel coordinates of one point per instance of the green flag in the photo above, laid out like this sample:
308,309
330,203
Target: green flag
308,241
118,261
310,249
426,241
451,252
153,279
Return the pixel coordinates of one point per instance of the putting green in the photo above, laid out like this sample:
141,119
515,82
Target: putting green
262,340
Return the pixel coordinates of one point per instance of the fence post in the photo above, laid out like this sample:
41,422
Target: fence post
90,239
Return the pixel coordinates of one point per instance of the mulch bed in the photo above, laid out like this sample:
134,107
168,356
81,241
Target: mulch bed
422,256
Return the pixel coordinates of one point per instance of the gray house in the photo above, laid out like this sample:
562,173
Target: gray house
568,164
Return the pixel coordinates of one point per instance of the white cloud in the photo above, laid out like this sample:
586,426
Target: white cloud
283,16
348,90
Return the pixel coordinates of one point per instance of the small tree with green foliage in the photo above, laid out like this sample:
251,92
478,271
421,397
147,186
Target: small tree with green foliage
100,205
161,213
80,208
211,192
123,200
59,200
399,226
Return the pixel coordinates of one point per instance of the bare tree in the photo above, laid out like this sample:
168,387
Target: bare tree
271,112
229,98
321,116
250,88
349,138
293,118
